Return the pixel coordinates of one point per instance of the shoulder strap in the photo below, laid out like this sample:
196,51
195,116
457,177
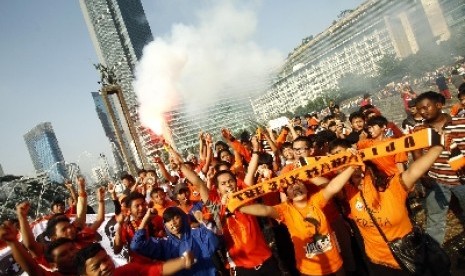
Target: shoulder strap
370,212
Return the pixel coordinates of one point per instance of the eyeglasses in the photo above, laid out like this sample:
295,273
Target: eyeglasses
300,150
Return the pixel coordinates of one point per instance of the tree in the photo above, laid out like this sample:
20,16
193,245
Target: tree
390,69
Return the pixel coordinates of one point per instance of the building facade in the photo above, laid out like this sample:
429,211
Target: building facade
354,44
119,31
1,171
109,131
45,152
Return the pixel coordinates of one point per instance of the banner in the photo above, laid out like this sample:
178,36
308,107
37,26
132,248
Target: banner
105,235
321,165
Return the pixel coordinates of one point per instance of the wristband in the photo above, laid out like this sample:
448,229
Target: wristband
255,152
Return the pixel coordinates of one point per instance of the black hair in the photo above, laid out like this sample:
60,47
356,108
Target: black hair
172,212
324,137
57,202
183,191
356,114
265,158
286,145
221,163
133,196
331,124
129,178
412,103
84,254
152,171
52,223
190,164
339,142
223,150
380,178
336,106
327,118
366,107
52,246
156,190
221,143
305,139
217,174
298,128
141,171
377,121
432,96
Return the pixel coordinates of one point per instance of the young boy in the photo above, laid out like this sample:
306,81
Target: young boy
357,120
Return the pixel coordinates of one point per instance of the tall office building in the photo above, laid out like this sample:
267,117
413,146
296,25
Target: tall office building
119,31
109,131
355,44
1,171
45,153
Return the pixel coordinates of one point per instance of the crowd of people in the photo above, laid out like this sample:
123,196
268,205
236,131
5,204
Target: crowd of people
323,226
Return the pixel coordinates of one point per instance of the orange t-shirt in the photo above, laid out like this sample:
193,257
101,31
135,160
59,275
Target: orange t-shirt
313,257
387,164
161,208
455,109
390,212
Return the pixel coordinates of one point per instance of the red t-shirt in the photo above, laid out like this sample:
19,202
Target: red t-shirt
138,269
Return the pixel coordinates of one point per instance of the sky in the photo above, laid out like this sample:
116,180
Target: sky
46,71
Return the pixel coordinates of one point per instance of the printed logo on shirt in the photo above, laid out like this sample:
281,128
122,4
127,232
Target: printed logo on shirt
320,245
359,204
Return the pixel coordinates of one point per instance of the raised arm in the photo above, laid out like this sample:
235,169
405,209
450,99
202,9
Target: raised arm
191,175
164,171
336,184
253,165
420,166
259,210
202,151
100,195
81,207
118,241
71,189
36,248
209,153
8,234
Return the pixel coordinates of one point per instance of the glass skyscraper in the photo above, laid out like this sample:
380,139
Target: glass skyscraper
45,153
119,31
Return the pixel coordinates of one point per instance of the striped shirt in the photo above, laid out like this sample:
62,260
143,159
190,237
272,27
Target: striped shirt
454,132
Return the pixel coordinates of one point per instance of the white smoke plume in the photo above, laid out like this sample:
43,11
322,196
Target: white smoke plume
202,62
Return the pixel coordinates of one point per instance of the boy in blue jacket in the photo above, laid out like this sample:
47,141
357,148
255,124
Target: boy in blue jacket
180,238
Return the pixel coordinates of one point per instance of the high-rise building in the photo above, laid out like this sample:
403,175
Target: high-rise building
354,44
109,131
1,171
119,31
45,153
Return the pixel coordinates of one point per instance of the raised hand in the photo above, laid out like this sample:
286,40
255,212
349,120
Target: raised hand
111,188
8,232
189,258
255,143
208,139
22,209
68,184
226,133
100,193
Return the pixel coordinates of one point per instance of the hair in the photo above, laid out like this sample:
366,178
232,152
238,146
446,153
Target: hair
305,139
141,171
52,246
298,128
224,150
331,124
152,171
366,107
156,190
52,223
336,106
327,118
183,191
377,121
221,143
217,174
412,103
356,114
265,158
128,177
190,164
56,202
432,96
221,163
84,254
323,137
286,145
380,178
133,196
172,212
339,142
